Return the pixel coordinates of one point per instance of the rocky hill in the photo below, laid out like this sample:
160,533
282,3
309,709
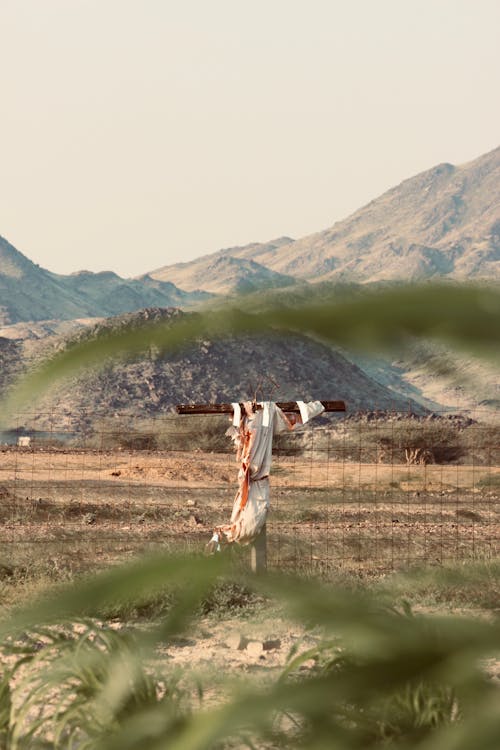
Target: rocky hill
31,293
442,223
11,361
211,370
229,271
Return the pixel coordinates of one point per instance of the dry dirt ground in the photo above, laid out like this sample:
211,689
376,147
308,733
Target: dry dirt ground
325,514
258,648
76,510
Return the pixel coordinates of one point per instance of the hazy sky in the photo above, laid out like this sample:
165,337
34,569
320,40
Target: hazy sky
137,133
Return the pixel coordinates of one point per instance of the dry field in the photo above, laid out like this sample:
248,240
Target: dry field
67,511
90,507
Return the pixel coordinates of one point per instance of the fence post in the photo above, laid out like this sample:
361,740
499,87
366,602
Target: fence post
258,553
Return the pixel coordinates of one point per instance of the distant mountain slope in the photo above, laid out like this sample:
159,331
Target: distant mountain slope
41,329
228,271
209,370
28,292
438,378
442,223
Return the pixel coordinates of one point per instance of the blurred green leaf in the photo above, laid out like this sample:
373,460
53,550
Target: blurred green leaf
464,316
192,576
383,674
399,678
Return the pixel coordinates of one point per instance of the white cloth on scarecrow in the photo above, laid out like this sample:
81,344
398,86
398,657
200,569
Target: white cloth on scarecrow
310,410
254,441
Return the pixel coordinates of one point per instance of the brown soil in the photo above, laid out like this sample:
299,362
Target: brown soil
324,514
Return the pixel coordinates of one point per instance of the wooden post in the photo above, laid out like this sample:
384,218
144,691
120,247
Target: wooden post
258,552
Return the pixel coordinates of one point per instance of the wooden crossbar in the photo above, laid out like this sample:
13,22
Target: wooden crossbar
287,406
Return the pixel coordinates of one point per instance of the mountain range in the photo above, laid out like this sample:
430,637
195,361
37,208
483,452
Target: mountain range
31,293
441,223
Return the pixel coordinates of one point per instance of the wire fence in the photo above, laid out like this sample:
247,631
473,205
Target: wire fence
364,493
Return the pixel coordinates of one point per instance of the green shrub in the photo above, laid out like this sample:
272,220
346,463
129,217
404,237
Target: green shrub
381,674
